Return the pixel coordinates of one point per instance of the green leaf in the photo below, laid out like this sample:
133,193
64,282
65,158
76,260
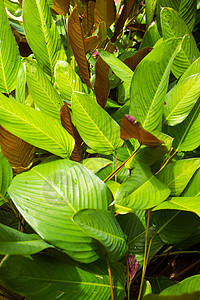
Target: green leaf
142,190
103,226
188,285
150,6
35,127
67,80
9,54
193,69
96,127
118,67
57,277
151,36
192,189
192,296
42,91
95,164
180,203
42,34
174,26
15,242
5,176
150,82
177,174
20,91
50,194
181,99
160,283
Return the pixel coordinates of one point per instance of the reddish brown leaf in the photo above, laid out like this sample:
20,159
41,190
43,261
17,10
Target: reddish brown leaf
67,124
18,152
129,128
105,10
88,18
127,9
61,7
92,42
77,43
134,60
101,85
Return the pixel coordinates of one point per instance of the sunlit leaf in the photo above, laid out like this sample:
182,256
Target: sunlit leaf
151,36
5,176
150,6
192,296
95,164
61,7
134,60
105,10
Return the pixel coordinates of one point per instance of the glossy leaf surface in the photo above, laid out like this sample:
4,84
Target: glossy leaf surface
188,285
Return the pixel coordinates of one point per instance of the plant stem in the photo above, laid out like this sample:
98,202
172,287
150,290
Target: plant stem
110,276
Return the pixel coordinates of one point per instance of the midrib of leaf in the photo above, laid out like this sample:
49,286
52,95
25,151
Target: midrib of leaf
181,205
2,66
97,127
180,175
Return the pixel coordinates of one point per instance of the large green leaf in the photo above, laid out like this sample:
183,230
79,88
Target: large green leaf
50,194
5,176
42,34
118,67
192,189
42,91
174,26
186,296
193,69
151,36
67,80
150,6
103,226
181,99
188,285
142,190
35,127
177,174
95,164
9,54
96,127
150,82
46,277
18,243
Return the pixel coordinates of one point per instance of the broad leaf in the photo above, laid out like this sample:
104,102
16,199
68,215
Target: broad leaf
150,6
103,226
96,127
135,59
15,242
105,11
9,54
151,36
50,194
186,296
5,176
35,127
193,69
142,190
95,164
118,67
42,34
177,174
20,91
181,99
61,7
188,285
67,80
42,91
189,51
56,276
149,84
192,189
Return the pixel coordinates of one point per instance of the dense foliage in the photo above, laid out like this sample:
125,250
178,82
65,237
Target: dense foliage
99,161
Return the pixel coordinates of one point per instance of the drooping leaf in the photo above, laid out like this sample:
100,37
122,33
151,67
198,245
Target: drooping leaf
68,125
35,127
102,85
96,127
42,91
61,7
151,36
50,194
18,152
75,34
5,176
181,99
189,51
177,174
9,54
129,128
56,276
141,190
42,34
147,102
105,11
103,226
67,80
15,242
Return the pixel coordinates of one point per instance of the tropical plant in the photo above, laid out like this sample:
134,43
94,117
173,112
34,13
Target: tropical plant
99,136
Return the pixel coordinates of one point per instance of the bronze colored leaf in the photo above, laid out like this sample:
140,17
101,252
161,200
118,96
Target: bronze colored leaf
18,152
127,9
68,125
134,60
129,128
61,7
92,42
105,10
88,19
101,85
77,43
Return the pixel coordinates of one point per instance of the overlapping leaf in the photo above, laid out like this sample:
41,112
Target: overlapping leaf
9,54
50,194
42,34
149,84
150,10
151,36
35,127
98,130
5,176
192,189
105,10
61,6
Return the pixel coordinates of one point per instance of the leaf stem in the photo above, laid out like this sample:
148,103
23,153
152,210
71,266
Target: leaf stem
110,276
